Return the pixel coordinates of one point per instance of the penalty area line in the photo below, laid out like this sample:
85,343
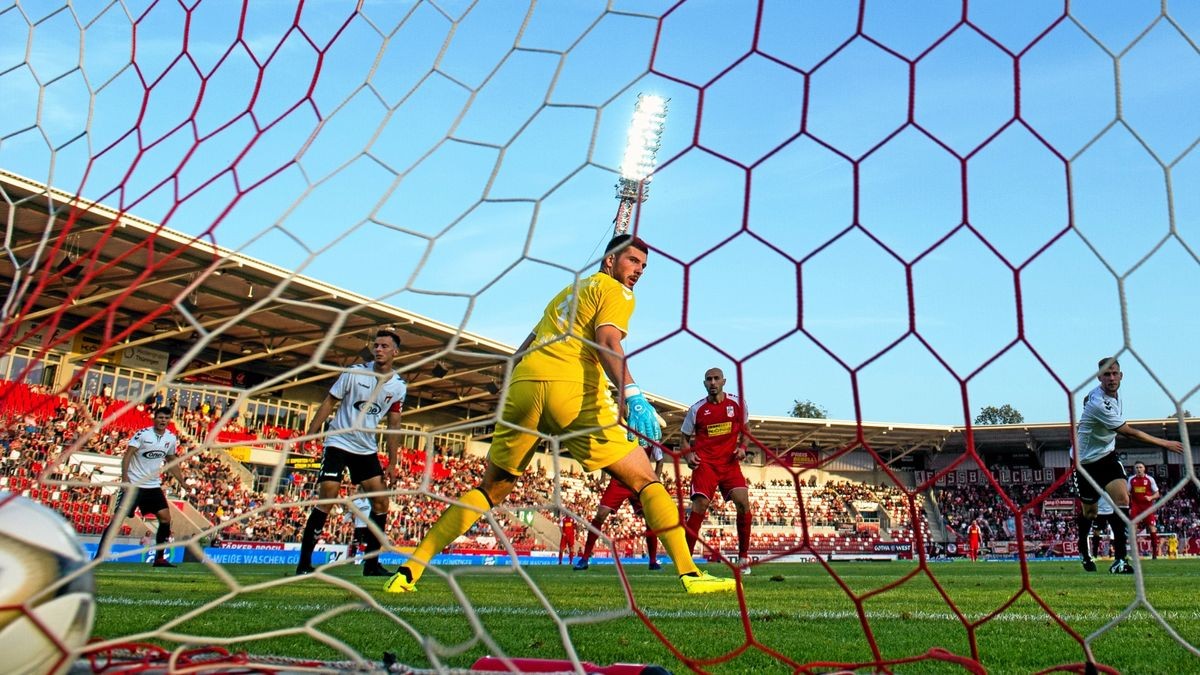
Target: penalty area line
813,615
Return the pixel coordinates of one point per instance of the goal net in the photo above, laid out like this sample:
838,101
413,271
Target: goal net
900,214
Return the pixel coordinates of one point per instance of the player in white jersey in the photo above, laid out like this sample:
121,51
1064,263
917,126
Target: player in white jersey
141,472
365,396
1096,456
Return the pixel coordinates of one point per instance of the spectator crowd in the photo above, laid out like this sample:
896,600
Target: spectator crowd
38,430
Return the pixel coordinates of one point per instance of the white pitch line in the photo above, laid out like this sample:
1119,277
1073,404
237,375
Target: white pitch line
816,615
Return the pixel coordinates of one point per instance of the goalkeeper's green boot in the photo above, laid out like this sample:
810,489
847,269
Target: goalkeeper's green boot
703,582
401,582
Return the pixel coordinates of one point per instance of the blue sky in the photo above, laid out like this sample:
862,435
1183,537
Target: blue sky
457,160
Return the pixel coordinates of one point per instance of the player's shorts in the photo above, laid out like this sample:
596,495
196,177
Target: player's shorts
335,461
583,417
1150,520
1104,471
146,500
615,495
707,478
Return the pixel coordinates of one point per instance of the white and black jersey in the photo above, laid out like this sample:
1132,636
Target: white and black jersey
1096,434
366,399
359,512
150,452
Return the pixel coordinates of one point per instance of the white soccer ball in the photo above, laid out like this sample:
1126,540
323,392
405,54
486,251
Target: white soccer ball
46,606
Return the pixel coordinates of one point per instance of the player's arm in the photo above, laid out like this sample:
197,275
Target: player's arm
176,470
392,440
686,450
323,412
1138,435
612,358
687,430
742,439
130,449
639,414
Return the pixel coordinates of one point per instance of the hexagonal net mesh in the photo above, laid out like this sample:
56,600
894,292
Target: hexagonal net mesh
899,213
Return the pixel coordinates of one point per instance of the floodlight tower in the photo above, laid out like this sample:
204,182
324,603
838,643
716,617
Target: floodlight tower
641,155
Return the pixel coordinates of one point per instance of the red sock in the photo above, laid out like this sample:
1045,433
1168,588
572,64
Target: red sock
694,521
743,532
587,547
1153,544
652,548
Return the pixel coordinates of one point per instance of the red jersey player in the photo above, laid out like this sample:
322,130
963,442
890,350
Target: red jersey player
713,443
615,495
974,535
566,542
1143,492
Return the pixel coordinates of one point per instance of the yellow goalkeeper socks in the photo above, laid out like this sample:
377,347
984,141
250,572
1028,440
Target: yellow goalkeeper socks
456,520
663,517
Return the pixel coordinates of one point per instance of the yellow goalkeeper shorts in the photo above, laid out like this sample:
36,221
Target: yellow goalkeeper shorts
582,418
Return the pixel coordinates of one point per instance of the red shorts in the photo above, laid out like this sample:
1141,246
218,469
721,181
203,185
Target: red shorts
707,478
615,495
1136,510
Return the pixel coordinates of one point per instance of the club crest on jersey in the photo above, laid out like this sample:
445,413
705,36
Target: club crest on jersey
729,411
369,407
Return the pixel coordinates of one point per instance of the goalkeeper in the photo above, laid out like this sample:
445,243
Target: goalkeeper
560,387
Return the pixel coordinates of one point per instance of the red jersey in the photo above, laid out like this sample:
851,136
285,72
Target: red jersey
568,529
1140,490
715,429
974,532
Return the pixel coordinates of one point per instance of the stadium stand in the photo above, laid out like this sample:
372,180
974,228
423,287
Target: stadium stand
34,442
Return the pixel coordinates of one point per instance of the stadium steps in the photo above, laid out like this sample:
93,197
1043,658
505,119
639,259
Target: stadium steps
545,531
933,516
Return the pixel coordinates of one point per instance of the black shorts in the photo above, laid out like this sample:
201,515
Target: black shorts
1104,471
147,500
335,461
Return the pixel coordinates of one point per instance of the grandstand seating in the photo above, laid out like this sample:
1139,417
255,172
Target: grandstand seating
835,515
962,504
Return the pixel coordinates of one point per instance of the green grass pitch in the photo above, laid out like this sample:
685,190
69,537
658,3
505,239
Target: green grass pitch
798,611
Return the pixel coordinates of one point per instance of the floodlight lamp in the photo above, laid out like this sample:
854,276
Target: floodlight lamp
644,137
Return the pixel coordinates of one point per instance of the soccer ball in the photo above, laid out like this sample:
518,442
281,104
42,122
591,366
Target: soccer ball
46,612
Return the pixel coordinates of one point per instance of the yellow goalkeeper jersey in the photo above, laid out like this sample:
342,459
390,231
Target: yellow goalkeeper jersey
563,346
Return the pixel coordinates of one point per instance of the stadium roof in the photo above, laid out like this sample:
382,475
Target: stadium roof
272,322
260,318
